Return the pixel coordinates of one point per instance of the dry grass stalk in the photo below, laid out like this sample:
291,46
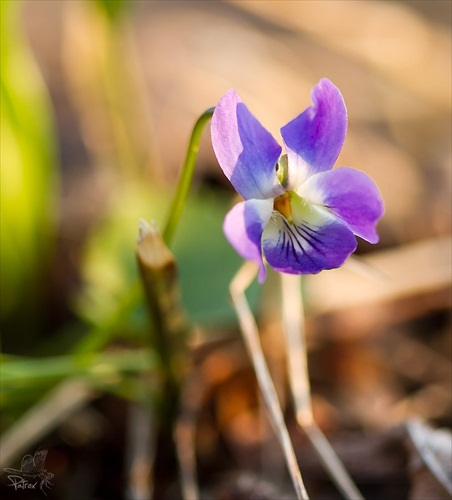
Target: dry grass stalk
293,318
239,284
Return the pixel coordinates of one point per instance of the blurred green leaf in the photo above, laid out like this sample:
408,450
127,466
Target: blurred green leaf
113,8
28,170
109,269
207,263
28,378
112,293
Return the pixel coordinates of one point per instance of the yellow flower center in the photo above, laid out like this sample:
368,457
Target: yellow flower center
283,206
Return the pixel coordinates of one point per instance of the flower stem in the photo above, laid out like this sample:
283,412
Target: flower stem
237,288
186,176
293,319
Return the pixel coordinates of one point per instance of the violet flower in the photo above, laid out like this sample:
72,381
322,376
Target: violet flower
298,212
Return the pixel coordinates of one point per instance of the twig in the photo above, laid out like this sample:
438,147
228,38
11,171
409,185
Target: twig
239,284
293,319
293,322
140,451
185,434
332,462
159,276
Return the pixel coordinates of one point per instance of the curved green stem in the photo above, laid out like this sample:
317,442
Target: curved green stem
186,176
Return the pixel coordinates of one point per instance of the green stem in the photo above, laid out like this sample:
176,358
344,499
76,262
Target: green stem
185,179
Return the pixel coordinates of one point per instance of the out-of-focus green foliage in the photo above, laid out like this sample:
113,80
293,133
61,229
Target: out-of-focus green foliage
111,293
113,8
18,372
111,303
25,380
28,176
206,261
110,299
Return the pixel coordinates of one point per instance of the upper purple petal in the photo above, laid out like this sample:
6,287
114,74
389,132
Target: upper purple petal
315,241
315,137
245,150
243,227
349,194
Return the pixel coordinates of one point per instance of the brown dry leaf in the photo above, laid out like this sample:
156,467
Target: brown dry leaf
390,37
384,278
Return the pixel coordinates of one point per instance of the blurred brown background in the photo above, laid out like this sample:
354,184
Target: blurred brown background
125,96
391,61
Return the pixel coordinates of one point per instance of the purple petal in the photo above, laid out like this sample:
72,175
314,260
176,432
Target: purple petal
246,152
243,227
314,139
349,194
315,241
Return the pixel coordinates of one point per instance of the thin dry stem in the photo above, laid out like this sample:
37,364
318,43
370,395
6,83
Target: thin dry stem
239,284
185,434
140,451
159,276
293,319
332,463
